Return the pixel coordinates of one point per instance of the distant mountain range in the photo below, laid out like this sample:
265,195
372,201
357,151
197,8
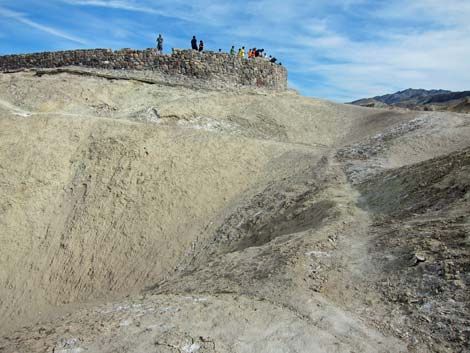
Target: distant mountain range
420,99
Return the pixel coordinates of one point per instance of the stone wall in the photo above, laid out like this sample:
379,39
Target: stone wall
205,66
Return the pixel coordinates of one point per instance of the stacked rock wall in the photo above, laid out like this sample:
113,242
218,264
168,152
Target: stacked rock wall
201,66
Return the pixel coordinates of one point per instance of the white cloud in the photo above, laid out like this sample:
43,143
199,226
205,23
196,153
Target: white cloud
115,4
203,11
433,54
449,12
55,32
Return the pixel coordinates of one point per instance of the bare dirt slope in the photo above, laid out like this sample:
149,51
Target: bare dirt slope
140,217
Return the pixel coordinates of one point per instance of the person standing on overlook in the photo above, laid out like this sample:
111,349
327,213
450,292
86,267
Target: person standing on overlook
201,45
232,50
160,43
194,43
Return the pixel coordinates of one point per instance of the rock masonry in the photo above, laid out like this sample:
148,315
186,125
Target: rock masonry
209,67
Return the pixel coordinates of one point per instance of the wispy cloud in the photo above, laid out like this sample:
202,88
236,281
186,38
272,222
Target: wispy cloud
115,4
203,10
425,46
22,18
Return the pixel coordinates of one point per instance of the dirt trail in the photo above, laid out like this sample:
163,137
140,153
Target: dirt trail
173,219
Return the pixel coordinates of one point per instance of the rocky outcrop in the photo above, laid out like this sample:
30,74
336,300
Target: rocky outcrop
209,67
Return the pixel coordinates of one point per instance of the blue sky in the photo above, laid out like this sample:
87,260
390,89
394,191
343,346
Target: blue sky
338,50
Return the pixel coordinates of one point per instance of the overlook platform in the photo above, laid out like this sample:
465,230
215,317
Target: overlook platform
219,69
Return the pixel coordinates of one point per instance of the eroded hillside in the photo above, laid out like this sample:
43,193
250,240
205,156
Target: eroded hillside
142,217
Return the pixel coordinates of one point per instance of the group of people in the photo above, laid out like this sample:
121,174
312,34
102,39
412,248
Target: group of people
256,53
252,53
194,45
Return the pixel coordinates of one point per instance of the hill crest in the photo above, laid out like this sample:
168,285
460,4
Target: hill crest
208,68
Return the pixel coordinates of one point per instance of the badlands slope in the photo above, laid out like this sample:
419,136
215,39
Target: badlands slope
139,217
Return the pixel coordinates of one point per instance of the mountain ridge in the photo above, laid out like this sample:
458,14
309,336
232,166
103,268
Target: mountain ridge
421,99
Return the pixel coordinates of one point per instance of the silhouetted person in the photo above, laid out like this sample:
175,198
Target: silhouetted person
201,45
160,43
194,43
